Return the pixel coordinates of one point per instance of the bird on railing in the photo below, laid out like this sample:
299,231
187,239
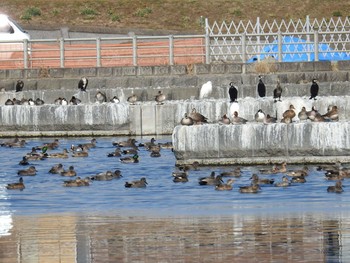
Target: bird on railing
83,83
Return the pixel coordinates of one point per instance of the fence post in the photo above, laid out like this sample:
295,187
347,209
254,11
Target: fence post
61,52
258,31
316,43
25,53
171,50
207,42
134,50
307,24
280,46
244,47
98,52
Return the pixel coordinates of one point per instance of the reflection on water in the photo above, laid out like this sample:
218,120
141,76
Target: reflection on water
92,238
167,221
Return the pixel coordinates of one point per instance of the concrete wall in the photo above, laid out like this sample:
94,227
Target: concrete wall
212,143
255,143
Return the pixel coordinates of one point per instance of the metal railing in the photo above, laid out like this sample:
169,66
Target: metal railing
307,45
105,52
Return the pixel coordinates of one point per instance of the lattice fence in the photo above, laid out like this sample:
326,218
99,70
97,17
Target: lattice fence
301,40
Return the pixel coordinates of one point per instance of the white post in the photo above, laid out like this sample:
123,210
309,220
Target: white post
316,44
61,52
134,50
171,50
98,52
207,42
258,37
308,37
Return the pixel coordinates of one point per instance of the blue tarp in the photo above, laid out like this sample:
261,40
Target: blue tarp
293,50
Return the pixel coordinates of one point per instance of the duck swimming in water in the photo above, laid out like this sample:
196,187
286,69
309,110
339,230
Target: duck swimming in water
142,183
16,186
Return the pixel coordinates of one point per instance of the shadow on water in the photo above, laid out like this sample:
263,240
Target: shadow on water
166,221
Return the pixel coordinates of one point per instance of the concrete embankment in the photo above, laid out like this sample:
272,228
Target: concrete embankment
255,143
211,143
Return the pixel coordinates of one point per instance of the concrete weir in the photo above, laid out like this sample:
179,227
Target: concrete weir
211,143
255,143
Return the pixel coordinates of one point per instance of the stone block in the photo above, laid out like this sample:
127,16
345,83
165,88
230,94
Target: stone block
145,71
217,69
16,74
287,66
343,65
306,66
323,66
161,70
129,71
105,72
201,69
234,68
88,72
56,73
179,70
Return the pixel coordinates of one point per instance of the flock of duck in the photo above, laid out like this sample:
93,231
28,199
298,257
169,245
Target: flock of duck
334,172
100,97
126,151
194,117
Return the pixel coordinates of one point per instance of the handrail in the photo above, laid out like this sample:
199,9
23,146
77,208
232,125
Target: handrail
167,50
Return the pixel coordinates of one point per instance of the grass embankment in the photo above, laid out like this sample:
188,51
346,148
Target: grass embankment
179,16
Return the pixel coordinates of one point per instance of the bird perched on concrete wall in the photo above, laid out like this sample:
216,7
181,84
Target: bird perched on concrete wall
160,98
186,120
100,97
261,88
197,117
289,114
206,90
83,83
259,116
277,92
19,85
132,99
314,89
332,114
74,101
233,92
115,99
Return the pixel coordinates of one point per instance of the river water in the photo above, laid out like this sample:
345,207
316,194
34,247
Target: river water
166,221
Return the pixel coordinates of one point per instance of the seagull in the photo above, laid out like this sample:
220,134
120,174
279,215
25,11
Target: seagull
206,90
232,92
314,89
83,83
261,87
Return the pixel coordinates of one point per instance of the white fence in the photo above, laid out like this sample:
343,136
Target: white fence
302,40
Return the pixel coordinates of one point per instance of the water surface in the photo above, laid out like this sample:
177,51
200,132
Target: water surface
167,221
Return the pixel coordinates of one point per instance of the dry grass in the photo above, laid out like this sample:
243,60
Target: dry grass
169,15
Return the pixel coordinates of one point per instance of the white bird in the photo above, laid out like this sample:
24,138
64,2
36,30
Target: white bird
206,90
234,107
